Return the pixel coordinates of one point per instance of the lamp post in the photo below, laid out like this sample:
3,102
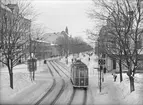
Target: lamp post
30,55
30,46
99,67
66,44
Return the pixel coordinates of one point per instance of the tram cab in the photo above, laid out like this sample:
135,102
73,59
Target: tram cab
79,74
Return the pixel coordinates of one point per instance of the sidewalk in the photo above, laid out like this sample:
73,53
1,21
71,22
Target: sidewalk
25,91
114,93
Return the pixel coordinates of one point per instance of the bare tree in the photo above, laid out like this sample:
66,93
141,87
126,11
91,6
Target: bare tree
61,45
75,45
14,31
124,19
37,32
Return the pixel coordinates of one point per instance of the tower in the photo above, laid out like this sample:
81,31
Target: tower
66,30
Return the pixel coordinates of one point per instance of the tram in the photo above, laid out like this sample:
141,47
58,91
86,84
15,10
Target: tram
79,75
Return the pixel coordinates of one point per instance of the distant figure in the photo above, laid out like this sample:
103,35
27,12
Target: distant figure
72,60
89,59
114,75
104,70
45,61
66,60
19,61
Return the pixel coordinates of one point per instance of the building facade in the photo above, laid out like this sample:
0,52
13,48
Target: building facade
14,32
114,32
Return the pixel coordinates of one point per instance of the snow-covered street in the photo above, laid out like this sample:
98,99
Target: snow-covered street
71,52
57,88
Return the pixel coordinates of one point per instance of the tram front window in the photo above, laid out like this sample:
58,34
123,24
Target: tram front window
77,73
81,73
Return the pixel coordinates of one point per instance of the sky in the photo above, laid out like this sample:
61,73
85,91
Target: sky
55,15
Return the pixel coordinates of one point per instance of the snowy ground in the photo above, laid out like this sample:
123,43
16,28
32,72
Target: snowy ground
21,81
111,92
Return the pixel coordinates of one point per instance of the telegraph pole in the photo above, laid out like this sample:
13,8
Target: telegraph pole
30,56
99,67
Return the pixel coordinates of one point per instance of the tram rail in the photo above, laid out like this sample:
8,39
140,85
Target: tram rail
57,65
53,68
49,91
62,65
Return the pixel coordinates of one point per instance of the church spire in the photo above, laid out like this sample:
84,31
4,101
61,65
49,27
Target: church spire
66,30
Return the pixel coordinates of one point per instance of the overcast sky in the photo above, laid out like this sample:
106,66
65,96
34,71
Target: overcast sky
57,14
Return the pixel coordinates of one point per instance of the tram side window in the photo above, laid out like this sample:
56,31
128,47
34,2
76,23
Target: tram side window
86,74
77,73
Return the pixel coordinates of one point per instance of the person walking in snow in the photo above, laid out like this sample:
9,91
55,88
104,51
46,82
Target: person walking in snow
114,75
89,59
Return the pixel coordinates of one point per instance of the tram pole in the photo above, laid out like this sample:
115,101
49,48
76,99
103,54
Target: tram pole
100,68
100,80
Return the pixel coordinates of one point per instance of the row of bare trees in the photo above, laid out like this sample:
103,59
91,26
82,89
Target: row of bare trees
121,34
72,46
15,31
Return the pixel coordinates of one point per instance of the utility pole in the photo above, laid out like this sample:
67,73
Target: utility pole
99,68
30,56
66,37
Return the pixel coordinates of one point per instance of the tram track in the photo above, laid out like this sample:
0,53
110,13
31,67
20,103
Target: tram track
49,91
59,94
56,64
85,97
71,97
47,99
74,90
55,69
62,65
52,88
64,86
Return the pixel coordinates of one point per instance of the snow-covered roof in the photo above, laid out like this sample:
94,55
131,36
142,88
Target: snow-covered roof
52,44
42,41
3,6
51,37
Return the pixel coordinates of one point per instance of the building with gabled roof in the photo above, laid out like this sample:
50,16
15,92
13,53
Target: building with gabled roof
51,37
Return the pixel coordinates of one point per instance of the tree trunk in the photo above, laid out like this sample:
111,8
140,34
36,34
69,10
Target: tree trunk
132,86
11,79
33,75
120,67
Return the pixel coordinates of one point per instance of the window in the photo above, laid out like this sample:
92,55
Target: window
81,73
139,44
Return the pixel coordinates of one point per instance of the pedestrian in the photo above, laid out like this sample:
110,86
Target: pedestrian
72,60
66,60
104,69
114,76
89,59
45,61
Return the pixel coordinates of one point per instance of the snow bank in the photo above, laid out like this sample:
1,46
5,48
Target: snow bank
21,81
112,92
135,97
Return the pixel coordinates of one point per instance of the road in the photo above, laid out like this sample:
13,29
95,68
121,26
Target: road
53,87
62,92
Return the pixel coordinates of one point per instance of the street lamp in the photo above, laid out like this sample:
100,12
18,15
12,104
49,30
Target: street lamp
66,42
99,66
